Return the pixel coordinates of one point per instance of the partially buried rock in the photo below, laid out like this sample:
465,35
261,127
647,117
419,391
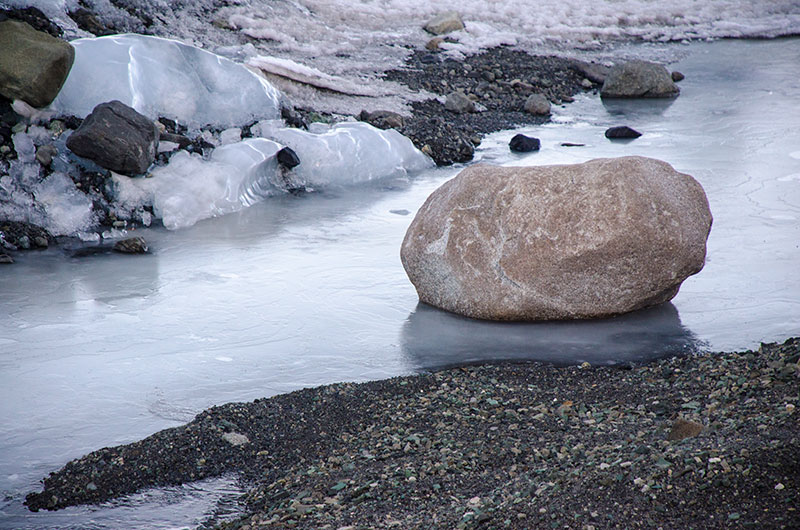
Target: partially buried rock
538,105
622,132
383,119
524,144
445,23
116,137
577,241
33,64
639,79
132,245
459,103
288,158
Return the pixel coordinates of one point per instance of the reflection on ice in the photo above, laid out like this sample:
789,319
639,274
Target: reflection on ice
162,77
191,188
432,338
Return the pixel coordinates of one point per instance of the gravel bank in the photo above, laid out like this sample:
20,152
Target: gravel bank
493,446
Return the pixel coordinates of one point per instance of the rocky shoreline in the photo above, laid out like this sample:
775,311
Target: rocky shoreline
704,441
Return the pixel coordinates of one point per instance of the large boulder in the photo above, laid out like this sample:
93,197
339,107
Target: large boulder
576,241
639,79
33,64
116,137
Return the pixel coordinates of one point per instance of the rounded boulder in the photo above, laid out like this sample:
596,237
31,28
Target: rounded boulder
578,241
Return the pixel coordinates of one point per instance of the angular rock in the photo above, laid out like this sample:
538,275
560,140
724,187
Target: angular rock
445,23
287,158
622,132
639,79
117,138
33,65
524,144
538,105
182,141
595,73
45,154
132,245
383,119
577,241
459,103
677,76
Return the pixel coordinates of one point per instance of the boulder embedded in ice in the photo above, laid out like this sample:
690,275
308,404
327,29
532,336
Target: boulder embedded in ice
162,77
445,23
639,79
33,65
116,137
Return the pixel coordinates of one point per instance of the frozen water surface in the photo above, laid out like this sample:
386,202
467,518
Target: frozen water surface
303,290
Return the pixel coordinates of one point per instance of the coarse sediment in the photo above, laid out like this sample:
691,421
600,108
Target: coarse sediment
492,446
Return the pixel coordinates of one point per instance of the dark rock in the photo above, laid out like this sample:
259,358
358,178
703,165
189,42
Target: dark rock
622,132
596,73
639,79
33,64
293,118
132,245
116,137
34,18
459,103
677,76
524,144
72,122
288,158
383,119
571,144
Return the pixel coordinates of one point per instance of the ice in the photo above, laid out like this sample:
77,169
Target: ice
162,77
67,210
191,188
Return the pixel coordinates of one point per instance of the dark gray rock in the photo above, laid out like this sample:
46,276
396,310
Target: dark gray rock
677,76
116,137
15,235
639,79
132,245
45,154
33,64
288,158
622,132
524,144
596,73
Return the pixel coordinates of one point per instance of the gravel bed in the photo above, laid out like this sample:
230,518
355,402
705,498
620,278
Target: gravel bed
492,446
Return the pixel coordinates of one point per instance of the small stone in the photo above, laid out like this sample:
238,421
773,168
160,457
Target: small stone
622,132
45,154
235,439
682,429
5,259
133,245
524,144
445,23
537,104
677,76
459,103
571,144
779,486
585,83
288,158
433,44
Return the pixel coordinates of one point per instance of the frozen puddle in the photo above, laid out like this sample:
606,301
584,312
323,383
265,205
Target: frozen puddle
305,290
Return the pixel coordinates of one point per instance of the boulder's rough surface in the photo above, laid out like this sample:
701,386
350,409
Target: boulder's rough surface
459,103
33,64
577,241
524,144
538,105
639,79
445,23
116,137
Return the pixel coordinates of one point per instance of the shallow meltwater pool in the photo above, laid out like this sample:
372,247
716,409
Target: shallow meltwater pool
307,290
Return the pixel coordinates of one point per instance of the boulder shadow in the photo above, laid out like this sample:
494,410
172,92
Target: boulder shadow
636,107
433,339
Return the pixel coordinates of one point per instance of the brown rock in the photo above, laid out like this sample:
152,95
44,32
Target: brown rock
558,242
434,43
445,23
132,245
682,429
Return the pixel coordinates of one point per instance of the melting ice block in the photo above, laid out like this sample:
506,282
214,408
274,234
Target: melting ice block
162,77
238,175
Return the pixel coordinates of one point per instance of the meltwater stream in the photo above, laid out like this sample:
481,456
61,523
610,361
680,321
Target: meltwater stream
306,290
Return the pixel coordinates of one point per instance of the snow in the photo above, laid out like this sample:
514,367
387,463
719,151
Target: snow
162,77
191,188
